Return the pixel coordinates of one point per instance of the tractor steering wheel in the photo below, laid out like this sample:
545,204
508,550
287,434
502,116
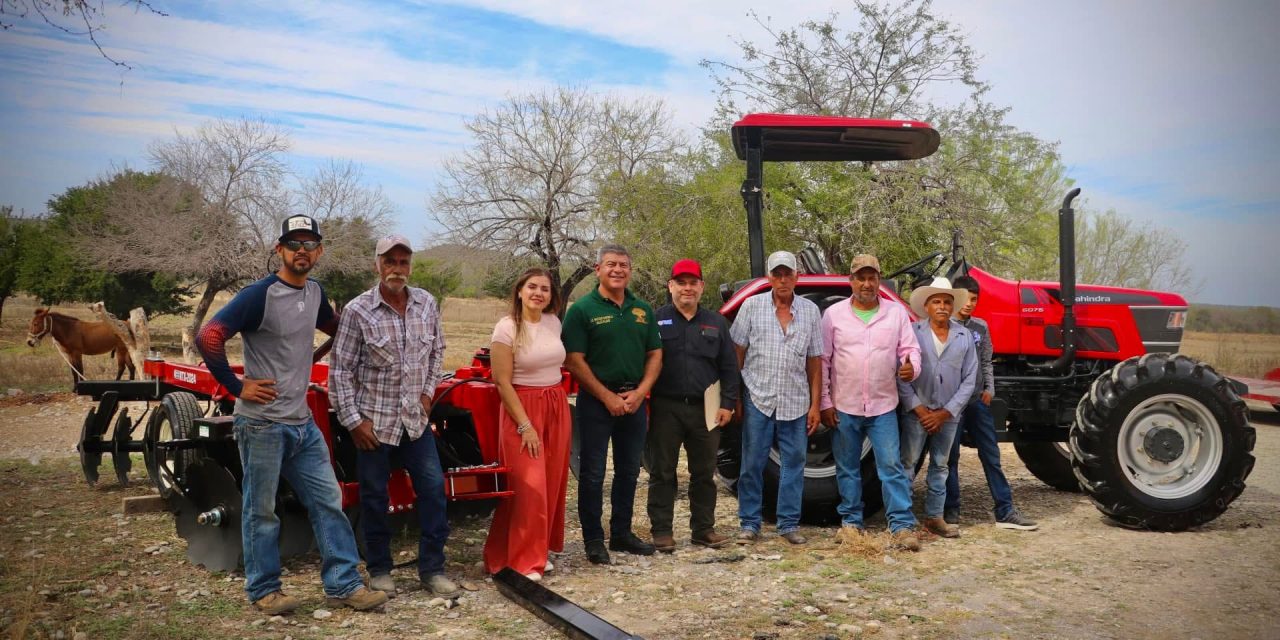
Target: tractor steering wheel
916,269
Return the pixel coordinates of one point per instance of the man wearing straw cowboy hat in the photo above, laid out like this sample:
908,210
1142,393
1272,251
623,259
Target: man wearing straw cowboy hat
933,403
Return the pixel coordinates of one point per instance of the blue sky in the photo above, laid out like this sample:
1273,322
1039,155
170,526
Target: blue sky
1164,110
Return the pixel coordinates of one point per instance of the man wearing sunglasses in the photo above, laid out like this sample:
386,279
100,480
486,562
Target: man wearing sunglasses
276,318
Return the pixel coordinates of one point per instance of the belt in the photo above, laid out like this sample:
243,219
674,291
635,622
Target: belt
698,399
620,387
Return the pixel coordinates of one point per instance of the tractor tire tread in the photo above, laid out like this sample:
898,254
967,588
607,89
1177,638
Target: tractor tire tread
1096,467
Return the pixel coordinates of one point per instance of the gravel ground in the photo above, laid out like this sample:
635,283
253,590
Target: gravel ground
1077,577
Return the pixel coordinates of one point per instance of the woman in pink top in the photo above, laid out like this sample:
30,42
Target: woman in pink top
534,429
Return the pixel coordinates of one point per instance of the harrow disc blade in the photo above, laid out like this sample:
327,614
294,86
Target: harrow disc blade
210,490
296,536
120,457
90,457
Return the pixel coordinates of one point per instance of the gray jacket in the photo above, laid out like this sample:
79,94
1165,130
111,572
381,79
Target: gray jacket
946,381
986,371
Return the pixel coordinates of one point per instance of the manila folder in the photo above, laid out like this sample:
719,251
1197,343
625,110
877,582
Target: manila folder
711,404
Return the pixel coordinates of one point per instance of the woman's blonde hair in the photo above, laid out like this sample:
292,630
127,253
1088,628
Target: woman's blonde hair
517,307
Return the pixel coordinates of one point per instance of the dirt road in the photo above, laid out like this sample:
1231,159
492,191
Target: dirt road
70,562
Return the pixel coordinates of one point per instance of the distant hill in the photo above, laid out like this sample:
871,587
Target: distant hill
473,264
1221,318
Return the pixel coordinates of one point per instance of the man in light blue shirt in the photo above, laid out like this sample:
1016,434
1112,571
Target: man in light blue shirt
933,403
778,339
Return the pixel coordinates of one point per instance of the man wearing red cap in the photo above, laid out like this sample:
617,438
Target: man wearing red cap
697,353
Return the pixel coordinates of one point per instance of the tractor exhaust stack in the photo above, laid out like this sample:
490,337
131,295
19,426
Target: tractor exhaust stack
1067,283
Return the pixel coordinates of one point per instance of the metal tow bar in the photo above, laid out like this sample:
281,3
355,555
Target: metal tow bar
570,619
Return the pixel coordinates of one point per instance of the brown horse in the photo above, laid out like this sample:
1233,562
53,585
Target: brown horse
76,339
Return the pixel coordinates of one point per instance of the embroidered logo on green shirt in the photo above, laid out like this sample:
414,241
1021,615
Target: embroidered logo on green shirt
598,320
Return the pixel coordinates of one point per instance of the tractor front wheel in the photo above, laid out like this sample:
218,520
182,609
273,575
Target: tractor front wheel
1162,442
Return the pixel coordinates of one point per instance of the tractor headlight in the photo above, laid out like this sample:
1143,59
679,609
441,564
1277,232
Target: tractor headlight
1176,319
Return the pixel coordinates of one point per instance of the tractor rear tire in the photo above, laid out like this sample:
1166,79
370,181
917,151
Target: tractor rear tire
821,493
1162,442
1050,462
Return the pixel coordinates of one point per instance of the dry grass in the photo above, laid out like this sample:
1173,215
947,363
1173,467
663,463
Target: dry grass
1239,354
468,323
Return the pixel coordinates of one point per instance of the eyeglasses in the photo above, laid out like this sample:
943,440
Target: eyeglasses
294,245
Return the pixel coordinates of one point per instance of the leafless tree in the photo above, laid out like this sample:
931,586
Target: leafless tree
214,217
354,215
881,69
1123,252
530,184
83,18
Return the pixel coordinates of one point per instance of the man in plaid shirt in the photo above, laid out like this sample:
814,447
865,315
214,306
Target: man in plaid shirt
383,372
778,338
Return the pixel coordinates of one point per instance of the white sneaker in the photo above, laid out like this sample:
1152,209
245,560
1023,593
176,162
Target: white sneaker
534,576
549,567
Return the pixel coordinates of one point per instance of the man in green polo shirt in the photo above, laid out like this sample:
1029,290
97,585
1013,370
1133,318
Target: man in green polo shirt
614,351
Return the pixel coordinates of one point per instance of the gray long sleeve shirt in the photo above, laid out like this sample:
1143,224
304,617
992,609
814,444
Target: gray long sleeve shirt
986,371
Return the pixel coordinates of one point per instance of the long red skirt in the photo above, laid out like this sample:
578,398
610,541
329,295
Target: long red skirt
530,523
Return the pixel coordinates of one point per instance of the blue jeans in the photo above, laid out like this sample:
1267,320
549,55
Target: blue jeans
759,433
846,444
596,428
977,421
913,442
420,459
269,450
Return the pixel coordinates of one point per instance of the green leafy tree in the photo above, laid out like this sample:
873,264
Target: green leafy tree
10,254
439,279
56,268
996,183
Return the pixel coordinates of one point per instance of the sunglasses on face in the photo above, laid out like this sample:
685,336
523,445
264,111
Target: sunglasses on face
294,245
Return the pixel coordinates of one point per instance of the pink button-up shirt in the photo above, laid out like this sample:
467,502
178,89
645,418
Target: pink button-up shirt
860,360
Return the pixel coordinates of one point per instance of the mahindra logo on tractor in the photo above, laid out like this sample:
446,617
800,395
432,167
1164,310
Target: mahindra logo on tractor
184,376
1084,298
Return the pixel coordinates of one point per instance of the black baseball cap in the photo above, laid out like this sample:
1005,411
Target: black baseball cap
299,223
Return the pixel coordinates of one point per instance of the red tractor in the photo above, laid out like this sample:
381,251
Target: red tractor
1089,385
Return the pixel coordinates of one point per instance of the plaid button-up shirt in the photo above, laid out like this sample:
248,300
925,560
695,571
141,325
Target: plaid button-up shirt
774,369
382,364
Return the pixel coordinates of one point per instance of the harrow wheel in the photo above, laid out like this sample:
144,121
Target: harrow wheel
172,420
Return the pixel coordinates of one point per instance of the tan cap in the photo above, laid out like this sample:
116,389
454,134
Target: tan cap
862,261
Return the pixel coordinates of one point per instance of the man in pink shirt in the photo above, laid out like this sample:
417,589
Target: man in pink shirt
867,346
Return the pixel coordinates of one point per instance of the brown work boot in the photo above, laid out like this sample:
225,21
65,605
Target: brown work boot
710,539
906,539
362,599
939,527
664,542
276,603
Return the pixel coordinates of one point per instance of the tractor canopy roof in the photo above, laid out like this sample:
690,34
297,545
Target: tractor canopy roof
800,138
